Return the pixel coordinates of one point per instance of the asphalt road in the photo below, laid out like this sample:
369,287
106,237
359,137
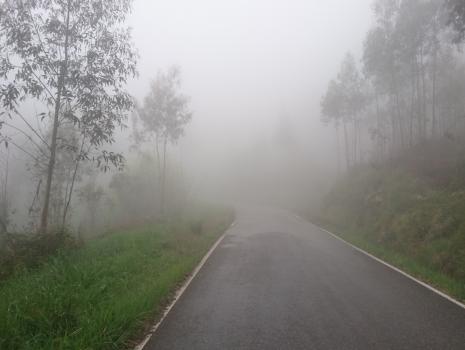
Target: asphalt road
278,282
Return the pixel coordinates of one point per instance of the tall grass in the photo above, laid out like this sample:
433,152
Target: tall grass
102,295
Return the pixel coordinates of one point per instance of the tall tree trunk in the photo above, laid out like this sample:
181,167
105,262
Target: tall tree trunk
4,197
412,105
338,142
157,149
159,175
433,106
393,122
163,181
360,140
393,132
400,123
423,90
354,142
346,141
379,136
73,181
418,101
53,146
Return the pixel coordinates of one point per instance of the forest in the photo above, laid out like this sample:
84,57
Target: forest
408,87
64,68
398,113
135,136
90,196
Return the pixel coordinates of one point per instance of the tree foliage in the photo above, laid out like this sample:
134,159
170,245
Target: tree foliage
456,18
413,84
343,104
165,110
75,57
163,116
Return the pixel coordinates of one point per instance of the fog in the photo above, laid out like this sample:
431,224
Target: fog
247,65
282,155
273,101
254,73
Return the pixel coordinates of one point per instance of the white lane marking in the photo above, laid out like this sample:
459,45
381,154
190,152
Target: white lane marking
181,290
442,294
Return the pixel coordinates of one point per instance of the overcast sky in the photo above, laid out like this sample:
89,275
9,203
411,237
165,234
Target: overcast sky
246,63
231,48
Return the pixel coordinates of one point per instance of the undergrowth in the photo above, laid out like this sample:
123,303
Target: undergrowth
101,296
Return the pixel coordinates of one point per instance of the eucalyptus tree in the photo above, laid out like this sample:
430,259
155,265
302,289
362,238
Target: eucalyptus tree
354,99
164,114
332,113
72,151
418,34
74,56
413,74
403,56
4,196
343,104
382,63
456,11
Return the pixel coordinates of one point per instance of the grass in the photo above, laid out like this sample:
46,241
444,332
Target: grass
418,269
405,220
102,296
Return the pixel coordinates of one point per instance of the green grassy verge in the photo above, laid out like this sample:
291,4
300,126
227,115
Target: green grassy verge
418,269
403,219
102,296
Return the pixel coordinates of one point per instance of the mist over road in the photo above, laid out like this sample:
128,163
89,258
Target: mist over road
278,282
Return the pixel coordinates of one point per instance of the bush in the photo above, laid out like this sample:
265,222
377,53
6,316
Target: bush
23,251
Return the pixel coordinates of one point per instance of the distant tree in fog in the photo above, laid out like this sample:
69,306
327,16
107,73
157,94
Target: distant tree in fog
4,197
405,58
91,194
343,103
74,56
332,111
456,18
352,88
164,114
413,79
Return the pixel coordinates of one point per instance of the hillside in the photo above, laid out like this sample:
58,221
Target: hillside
409,210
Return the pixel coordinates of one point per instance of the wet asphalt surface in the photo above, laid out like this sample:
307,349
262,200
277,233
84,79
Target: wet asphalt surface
279,282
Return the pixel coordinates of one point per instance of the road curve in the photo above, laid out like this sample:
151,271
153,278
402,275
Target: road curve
278,282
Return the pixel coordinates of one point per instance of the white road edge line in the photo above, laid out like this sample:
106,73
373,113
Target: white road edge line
182,289
424,284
